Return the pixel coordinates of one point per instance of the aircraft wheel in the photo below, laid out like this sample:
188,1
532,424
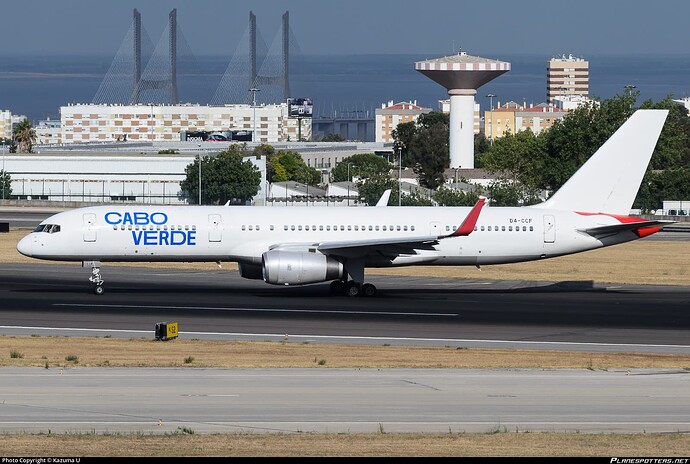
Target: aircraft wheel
369,290
337,287
353,289
99,290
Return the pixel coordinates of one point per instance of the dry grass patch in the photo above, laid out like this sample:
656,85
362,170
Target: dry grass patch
299,445
94,352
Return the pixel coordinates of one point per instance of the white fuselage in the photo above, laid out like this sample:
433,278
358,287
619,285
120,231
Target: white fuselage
243,234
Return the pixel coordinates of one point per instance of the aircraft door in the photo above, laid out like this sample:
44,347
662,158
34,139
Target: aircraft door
549,228
89,227
435,228
215,228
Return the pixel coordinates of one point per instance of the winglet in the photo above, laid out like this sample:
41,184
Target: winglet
470,221
383,201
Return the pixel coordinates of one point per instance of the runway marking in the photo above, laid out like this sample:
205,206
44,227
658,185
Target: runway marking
358,337
212,308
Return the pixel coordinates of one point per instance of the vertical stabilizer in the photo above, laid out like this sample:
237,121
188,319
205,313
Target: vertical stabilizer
609,181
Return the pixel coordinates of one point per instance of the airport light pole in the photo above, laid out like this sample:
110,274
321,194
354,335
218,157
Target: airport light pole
491,110
253,90
348,181
199,174
2,179
629,89
399,176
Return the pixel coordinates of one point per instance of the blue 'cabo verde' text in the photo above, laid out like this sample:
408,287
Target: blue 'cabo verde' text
151,237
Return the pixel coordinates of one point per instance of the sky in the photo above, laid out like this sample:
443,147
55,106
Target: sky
434,27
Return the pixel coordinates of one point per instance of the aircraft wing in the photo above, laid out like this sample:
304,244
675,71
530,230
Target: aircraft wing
391,246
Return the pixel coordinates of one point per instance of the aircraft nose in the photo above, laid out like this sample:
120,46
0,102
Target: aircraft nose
25,246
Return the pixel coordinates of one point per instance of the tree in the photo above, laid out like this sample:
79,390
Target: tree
449,197
362,165
24,136
289,166
5,185
673,148
518,158
225,177
371,188
402,138
428,154
333,138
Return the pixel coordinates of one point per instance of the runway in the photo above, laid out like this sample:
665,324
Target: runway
57,299
112,400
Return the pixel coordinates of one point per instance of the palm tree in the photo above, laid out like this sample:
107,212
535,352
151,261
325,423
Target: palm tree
24,135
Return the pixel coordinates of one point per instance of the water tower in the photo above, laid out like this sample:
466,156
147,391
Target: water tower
462,75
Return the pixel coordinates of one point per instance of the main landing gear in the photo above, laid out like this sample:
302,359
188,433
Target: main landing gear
352,288
95,276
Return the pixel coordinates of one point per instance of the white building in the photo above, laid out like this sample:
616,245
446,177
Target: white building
105,178
48,132
110,123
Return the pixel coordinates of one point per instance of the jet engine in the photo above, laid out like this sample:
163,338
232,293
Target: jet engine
298,267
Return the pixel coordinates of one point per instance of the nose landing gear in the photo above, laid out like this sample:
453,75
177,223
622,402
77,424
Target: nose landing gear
95,276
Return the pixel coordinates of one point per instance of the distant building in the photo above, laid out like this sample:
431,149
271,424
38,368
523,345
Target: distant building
48,132
109,123
570,102
5,124
685,101
567,75
444,107
390,115
513,117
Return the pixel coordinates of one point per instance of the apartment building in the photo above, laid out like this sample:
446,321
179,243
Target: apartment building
110,123
391,114
567,75
513,117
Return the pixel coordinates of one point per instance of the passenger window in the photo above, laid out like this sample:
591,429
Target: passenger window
371,228
186,227
397,228
244,227
114,227
122,227
503,228
489,228
356,227
158,227
299,227
257,227
384,228
531,228
328,228
447,228
194,227
285,227
135,227
251,227
411,227
405,228
151,227
475,228
129,227
349,227
510,228
342,227
271,227
376,228
292,227
482,228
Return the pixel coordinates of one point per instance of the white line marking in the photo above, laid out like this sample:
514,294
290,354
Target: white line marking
212,308
357,337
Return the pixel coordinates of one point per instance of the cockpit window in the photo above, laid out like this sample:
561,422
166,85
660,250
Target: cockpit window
48,228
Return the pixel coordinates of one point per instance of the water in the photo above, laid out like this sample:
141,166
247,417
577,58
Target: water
38,86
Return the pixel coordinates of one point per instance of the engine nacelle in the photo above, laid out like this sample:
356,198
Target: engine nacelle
298,267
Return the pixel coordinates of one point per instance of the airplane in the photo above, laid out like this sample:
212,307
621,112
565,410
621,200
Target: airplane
307,245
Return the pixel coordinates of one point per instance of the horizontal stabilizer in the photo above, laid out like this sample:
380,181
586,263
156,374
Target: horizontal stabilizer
632,226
